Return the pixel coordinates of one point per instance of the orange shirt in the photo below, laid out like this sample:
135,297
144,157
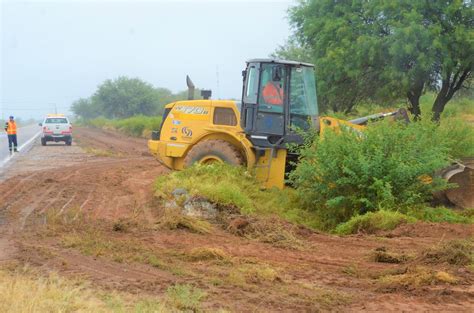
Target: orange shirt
11,128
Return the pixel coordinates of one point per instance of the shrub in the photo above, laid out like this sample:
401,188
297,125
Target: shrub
389,166
372,222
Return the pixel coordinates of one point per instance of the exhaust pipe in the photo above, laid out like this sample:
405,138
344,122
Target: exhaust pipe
191,88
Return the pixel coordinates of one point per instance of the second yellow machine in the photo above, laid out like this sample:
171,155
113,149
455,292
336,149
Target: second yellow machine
278,98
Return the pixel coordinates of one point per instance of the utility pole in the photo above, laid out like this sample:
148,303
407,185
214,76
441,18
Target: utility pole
217,78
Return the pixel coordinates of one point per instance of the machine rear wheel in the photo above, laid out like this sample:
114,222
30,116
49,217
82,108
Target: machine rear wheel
210,151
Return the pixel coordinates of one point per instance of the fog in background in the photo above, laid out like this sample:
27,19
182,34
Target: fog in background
53,53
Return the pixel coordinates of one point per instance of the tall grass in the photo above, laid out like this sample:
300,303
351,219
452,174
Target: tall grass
234,186
23,292
26,291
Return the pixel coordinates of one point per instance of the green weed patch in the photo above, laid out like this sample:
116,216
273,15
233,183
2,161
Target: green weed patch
372,222
232,186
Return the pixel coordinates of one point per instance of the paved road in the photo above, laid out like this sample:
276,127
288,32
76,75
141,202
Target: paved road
24,134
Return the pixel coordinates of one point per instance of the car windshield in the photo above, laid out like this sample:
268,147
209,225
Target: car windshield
56,120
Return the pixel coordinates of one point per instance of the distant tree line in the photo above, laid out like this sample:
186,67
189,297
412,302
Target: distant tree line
384,51
125,97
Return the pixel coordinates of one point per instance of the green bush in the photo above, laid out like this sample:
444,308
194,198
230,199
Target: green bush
389,166
372,222
138,126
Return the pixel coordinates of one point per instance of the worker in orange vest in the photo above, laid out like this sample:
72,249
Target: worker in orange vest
10,128
273,93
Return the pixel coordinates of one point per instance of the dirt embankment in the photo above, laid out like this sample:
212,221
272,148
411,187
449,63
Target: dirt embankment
107,179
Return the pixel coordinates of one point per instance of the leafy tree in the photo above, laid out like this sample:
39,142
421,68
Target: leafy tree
382,51
125,97
293,50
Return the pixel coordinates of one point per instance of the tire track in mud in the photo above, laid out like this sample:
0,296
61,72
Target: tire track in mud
63,177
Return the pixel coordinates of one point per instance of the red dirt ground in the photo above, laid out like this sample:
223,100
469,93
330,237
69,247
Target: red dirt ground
331,273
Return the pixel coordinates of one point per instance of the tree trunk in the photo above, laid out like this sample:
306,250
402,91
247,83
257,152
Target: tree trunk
438,107
415,107
414,97
451,83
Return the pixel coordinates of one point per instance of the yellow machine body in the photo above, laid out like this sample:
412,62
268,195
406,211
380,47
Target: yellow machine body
193,121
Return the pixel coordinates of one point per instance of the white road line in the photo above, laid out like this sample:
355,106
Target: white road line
20,148
29,141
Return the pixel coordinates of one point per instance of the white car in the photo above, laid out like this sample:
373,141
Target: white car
56,128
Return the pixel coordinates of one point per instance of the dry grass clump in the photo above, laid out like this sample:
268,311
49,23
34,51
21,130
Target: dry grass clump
272,231
208,254
417,277
454,252
58,221
253,274
327,299
381,255
174,219
24,291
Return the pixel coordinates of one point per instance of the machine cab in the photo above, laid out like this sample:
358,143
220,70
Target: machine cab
279,97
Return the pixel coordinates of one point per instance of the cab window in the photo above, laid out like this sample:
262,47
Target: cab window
252,85
272,88
303,102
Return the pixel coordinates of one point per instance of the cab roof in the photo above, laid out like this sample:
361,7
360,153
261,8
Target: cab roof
279,61
202,102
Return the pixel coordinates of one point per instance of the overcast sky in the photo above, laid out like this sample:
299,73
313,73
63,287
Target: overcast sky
55,52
